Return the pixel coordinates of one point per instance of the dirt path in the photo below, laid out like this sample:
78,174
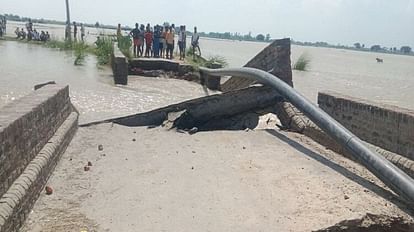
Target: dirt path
210,181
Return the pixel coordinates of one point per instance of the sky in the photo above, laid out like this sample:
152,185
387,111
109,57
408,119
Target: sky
386,22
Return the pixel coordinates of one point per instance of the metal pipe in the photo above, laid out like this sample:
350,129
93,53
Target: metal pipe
392,176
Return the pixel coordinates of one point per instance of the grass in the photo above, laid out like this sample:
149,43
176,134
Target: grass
124,44
210,62
80,51
302,64
104,50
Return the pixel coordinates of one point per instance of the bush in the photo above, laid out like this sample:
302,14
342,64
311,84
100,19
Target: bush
209,63
104,50
302,64
124,44
79,50
62,45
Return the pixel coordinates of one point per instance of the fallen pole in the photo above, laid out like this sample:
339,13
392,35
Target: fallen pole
387,172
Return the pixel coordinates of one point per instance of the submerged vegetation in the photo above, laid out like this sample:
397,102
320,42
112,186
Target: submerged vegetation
79,50
302,64
102,49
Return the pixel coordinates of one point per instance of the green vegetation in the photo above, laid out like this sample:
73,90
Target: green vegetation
124,44
202,62
104,50
212,61
59,44
79,50
302,64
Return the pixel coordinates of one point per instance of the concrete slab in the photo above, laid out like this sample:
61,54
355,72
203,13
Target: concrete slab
157,180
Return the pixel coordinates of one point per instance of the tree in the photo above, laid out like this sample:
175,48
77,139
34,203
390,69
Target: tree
376,48
97,24
268,37
405,49
260,37
357,45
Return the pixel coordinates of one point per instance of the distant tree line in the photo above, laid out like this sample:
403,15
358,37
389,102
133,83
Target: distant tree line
17,18
405,50
236,36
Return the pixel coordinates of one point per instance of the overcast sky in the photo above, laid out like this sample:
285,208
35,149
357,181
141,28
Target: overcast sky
385,22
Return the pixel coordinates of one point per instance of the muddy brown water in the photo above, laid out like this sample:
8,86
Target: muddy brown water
348,72
92,90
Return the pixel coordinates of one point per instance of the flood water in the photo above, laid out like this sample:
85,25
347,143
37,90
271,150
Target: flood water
348,72
92,91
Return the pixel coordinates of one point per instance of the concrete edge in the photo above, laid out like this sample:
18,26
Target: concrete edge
16,203
297,122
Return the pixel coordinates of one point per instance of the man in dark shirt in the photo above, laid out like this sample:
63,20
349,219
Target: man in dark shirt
75,31
136,38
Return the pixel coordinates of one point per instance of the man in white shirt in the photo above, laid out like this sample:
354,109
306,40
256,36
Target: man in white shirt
195,43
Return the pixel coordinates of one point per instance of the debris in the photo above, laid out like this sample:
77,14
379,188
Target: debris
193,130
86,168
193,152
192,168
247,129
244,148
49,190
89,163
133,140
100,147
346,197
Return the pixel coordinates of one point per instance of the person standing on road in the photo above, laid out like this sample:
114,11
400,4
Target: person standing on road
194,42
148,41
142,38
75,31
156,44
82,32
169,37
182,42
118,31
136,39
29,27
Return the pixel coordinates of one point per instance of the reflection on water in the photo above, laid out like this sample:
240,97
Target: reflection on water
92,91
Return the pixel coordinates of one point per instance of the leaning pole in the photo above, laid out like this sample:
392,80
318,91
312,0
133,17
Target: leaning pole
67,29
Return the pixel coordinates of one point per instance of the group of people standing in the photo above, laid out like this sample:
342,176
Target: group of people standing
75,31
159,41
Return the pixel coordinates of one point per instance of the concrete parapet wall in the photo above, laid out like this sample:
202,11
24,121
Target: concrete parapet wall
16,203
26,125
274,59
155,64
34,131
388,127
119,66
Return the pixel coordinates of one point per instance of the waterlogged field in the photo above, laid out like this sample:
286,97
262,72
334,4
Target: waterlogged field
349,72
